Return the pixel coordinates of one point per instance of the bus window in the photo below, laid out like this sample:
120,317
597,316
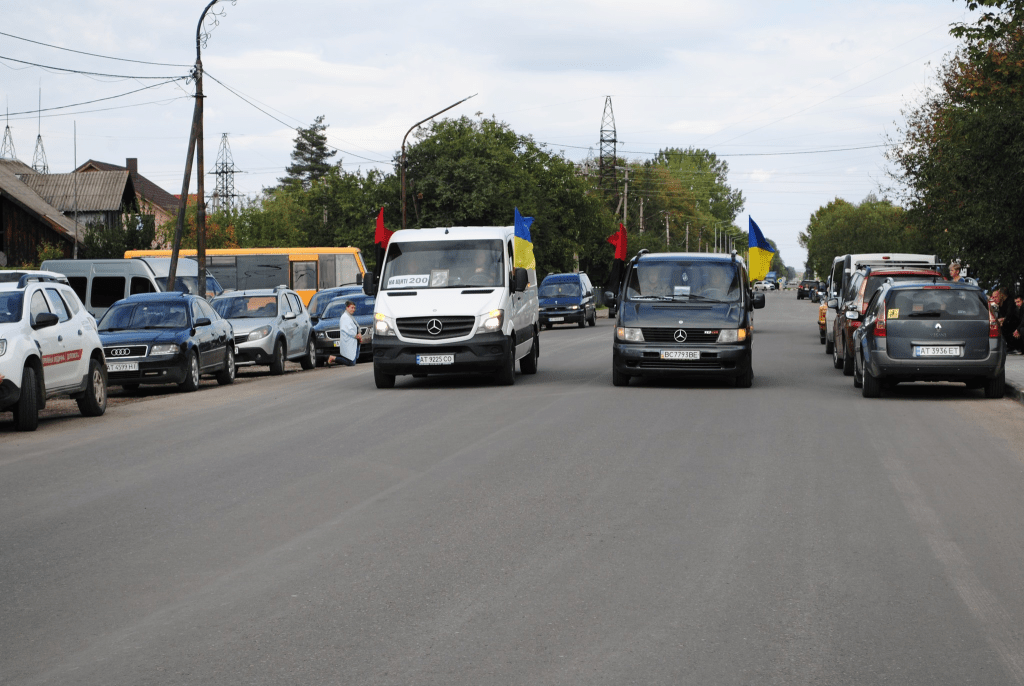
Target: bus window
304,276
261,271
328,275
348,269
223,269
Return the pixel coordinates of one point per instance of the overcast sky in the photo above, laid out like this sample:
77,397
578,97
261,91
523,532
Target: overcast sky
740,78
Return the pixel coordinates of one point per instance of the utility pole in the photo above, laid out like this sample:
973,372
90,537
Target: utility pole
195,147
667,245
625,198
407,135
7,147
75,181
687,236
224,169
39,156
607,180
641,214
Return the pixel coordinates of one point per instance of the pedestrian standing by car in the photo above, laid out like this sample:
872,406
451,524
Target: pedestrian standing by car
1015,343
349,338
954,271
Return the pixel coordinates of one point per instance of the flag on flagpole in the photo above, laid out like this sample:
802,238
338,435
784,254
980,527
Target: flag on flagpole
381,238
618,239
761,252
523,243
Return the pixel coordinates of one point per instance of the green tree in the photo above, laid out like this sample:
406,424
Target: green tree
134,231
841,227
311,156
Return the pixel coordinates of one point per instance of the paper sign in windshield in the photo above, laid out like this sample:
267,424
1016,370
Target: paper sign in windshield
409,281
439,278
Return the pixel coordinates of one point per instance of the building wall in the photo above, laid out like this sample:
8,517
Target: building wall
21,234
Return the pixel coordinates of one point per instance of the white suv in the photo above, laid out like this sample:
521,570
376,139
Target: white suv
48,347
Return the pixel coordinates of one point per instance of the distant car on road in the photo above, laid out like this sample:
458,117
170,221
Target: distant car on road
326,327
319,302
270,325
164,338
567,299
929,332
806,288
764,286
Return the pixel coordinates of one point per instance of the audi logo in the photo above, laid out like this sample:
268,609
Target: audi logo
680,335
434,327
120,352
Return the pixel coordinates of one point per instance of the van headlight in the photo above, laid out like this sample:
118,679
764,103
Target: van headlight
259,333
575,307
732,335
3,346
382,325
492,321
167,349
629,334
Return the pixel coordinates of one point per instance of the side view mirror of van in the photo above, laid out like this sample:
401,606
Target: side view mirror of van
609,298
521,280
359,279
370,283
758,301
833,303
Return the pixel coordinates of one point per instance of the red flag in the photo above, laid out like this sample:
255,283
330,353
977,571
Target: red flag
382,236
618,239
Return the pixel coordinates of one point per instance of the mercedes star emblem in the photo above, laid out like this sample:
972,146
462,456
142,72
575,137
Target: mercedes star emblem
680,335
434,327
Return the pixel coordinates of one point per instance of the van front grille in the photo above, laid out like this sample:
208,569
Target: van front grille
424,327
668,335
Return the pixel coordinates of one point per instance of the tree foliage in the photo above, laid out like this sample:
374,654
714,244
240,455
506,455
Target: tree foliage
311,156
135,231
841,227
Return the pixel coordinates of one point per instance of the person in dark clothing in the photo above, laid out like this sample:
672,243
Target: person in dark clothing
1015,341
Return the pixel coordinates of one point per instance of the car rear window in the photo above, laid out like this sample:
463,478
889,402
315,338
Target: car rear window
246,306
932,303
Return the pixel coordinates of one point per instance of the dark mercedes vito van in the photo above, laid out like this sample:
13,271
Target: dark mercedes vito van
685,315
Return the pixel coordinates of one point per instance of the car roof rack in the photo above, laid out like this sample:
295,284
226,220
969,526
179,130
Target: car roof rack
23,281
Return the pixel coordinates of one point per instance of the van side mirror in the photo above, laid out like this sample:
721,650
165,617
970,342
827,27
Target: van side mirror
833,303
359,279
370,283
609,298
314,319
758,300
521,280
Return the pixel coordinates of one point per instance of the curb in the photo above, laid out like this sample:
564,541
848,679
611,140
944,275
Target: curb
1014,391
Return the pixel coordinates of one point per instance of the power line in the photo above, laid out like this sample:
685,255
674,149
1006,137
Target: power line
119,107
92,54
727,154
86,73
111,97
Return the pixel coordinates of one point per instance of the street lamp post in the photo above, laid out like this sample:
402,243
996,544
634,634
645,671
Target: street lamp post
403,146
195,147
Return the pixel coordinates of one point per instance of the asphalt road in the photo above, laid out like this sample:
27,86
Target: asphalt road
310,529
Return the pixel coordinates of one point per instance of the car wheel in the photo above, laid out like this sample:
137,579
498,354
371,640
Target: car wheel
308,361
995,388
94,402
528,365
837,361
277,361
746,378
583,321
593,319
871,387
381,379
26,412
821,334
829,345
506,376
857,379
191,382
619,378
226,376
847,364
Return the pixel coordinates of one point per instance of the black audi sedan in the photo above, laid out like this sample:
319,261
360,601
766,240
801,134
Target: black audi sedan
929,331
163,338
685,315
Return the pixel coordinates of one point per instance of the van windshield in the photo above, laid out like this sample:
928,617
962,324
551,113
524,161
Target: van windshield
682,279
443,264
563,289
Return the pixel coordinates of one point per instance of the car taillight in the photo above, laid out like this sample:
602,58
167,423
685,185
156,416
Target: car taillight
993,325
880,322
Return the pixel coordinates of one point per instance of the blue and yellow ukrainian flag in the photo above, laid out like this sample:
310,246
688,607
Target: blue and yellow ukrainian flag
523,243
761,253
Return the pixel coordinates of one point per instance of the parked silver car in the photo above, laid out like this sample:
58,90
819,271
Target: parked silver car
271,326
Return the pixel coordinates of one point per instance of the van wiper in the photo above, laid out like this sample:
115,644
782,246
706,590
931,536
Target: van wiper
113,328
660,298
704,298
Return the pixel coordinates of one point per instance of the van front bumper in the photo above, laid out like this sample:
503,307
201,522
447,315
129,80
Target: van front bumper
482,353
562,317
644,359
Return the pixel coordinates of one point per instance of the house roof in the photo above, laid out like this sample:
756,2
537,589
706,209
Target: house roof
17,166
95,192
12,187
146,188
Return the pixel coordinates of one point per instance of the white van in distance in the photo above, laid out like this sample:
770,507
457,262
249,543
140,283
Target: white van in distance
452,300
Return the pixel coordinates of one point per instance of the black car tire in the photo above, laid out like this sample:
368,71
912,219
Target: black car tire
226,376
829,345
528,365
94,402
995,388
583,321
822,336
619,378
381,379
837,361
847,364
746,379
308,361
277,361
871,387
857,378
26,412
593,319
506,376
191,382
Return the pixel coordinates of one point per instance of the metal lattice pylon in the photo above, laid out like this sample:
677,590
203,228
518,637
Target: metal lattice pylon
7,147
39,156
607,180
224,194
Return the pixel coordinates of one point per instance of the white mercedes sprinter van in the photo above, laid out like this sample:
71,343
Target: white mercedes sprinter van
452,300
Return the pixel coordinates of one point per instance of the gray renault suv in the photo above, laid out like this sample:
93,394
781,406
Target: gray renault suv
271,326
